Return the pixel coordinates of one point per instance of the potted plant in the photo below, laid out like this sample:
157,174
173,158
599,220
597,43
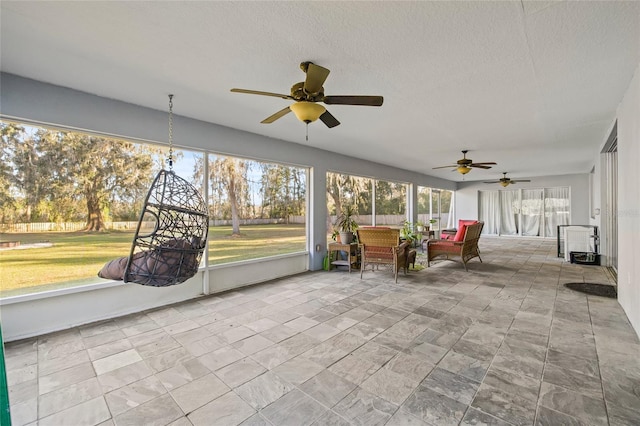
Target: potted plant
406,232
346,224
420,226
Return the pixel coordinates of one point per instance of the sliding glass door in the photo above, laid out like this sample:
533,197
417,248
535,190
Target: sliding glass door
525,212
437,205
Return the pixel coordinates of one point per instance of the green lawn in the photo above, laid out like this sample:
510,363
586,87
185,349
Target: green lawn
76,257
254,242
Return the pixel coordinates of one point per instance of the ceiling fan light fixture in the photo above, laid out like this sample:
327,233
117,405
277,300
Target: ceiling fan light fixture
307,112
463,169
504,183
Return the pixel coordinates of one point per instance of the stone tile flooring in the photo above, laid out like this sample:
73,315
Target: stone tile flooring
502,344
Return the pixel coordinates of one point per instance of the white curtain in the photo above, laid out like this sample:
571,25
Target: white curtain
490,211
556,210
504,213
532,208
509,209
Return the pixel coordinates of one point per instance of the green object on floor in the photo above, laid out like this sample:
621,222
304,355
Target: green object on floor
325,263
5,415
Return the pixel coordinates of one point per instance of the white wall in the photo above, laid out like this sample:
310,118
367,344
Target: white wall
629,202
40,313
467,194
33,315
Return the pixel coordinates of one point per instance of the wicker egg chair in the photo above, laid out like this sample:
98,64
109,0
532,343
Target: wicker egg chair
171,253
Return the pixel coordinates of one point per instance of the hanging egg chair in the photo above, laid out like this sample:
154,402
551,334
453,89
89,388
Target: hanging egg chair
171,252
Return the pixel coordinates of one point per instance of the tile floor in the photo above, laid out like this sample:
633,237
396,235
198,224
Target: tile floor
502,344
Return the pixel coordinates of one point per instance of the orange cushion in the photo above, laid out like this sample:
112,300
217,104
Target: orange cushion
466,222
460,234
462,228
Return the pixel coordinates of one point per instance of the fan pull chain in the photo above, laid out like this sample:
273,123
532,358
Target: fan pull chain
307,131
170,132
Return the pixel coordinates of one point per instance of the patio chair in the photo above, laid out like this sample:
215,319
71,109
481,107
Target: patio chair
466,249
381,246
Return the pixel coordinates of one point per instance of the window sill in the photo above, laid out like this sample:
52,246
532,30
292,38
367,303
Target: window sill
59,292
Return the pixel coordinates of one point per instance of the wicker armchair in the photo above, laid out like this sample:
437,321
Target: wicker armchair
381,246
466,249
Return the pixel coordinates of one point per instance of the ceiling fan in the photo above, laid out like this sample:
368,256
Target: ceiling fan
465,164
505,181
307,93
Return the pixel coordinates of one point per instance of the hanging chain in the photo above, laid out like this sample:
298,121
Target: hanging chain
171,132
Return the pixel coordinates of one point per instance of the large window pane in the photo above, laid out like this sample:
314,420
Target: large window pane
435,208
348,190
256,209
423,206
70,202
447,219
391,203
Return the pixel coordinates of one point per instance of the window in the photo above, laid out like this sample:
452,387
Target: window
435,205
71,201
256,209
391,203
348,190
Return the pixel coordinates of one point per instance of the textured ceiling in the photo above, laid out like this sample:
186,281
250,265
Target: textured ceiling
532,86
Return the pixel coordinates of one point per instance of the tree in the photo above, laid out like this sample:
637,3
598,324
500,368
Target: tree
228,181
10,135
100,170
28,176
56,172
390,198
353,190
283,191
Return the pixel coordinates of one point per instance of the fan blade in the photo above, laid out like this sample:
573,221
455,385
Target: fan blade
329,119
255,92
478,166
316,75
274,117
353,100
444,167
493,181
483,164
516,181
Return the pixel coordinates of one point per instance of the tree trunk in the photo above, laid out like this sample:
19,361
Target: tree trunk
95,221
233,198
